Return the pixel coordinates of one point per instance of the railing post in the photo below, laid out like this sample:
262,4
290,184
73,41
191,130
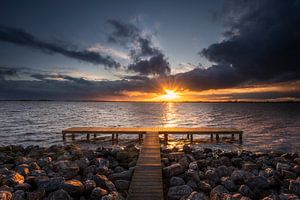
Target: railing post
64,136
95,135
166,138
188,136
87,136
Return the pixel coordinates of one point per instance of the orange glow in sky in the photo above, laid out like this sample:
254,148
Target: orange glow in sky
170,95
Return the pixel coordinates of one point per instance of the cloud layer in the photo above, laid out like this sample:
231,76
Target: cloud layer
22,38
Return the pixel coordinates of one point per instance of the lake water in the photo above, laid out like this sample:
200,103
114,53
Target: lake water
265,125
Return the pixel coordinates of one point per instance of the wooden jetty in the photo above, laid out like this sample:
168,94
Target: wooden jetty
140,131
146,183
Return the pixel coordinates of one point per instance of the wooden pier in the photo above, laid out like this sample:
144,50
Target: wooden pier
146,183
140,131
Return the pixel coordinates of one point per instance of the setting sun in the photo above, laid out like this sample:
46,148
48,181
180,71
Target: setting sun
170,95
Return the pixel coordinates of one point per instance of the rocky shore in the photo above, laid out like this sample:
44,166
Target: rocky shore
65,172
201,174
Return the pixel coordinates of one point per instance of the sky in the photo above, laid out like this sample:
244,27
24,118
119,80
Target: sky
138,50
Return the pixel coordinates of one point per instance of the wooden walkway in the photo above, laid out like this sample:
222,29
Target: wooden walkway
140,131
146,183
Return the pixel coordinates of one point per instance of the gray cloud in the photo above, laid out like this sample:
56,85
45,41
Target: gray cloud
22,38
7,72
147,59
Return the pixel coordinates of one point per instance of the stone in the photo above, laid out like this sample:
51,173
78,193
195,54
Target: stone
228,184
249,166
191,174
110,186
36,194
184,162
23,169
197,196
193,166
199,154
89,185
297,161
282,166
122,184
173,170
37,172
125,175
179,192
259,182
92,169
237,162
97,193
13,178
285,196
245,191
113,196
218,192
69,172
212,176
23,186
119,169
239,176
193,185
201,163
224,171
59,195
204,186
18,195
175,181
5,195
34,166
100,180
73,187
288,174
294,187
50,185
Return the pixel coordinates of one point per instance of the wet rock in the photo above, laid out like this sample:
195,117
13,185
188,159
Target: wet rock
201,163
89,185
198,196
37,172
297,161
82,163
59,195
224,171
110,186
97,193
282,166
204,186
23,169
122,184
125,175
184,162
34,166
69,172
259,182
92,169
113,196
218,192
5,195
193,166
212,177
285,196
175,181
119,169
73,187
294,187
237,162
288,174
173,170
187,149
37,194
199,154
179,192
239,176
249,166
23,186
193,185
13,178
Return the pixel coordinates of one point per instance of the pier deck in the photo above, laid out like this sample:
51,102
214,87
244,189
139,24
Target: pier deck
140,131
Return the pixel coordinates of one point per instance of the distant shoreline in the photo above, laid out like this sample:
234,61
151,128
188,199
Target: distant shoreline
50,100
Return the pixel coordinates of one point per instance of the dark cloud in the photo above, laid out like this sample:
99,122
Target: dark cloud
22,38
7,72
262,44
147,59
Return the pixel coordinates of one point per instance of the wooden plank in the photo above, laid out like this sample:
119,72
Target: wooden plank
146,182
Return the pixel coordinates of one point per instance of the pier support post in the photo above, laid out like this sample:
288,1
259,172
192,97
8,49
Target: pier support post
217,137
211,137
95,135
241,137
113,137
166,138
73,136
232,136
191,137
87,136
140,137
64,136
117,137
188,136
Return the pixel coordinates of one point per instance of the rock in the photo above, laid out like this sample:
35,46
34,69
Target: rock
73,187
296,169
284,196
110,186
5,195
204,186
113,196
184,162
36,194
59,195
18,195
197,196
92,169
228,184
245,191
100,180
34,166
23,186
122,184
37,172
239,176
89,185
191,174
201,163
288,174
125,175
258,182
193,185
97,193
282,166
237,162
175,181
249,166
69,172
212,177
173,170
193,166
225,161
179,192
82,163
50,185
13,178
294,187
224,171
119,169
199,154
186,149
297,161
23,169
218,192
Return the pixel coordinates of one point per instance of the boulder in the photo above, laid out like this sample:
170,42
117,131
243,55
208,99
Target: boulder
294,187
282,166
125,175
193,166
218,192
73,187
175,181
224,171
191,174
5,195
258,182
89,185
59,195
173,170
239,176
97,193
100,180
245,191
110,186
197,196
113,196
122,184
204,186
51,184
18,195
179,192
228,184
37,194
